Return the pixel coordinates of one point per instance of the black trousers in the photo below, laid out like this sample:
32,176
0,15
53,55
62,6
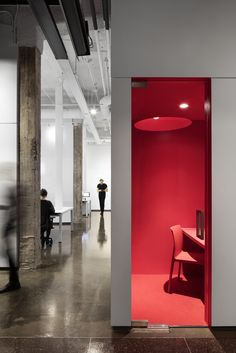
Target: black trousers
13,270
43,238
102,196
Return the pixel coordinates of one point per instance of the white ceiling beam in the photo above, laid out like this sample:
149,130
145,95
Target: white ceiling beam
50,58
72,85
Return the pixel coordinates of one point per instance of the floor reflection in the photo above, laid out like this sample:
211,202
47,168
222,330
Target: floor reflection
102,238
70,294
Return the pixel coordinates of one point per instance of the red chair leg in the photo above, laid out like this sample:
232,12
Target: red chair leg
171,273
179,273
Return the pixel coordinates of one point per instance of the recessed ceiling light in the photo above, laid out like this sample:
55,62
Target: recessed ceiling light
156,117
183,105
93,111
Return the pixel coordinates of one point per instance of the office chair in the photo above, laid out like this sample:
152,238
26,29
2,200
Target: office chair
180,256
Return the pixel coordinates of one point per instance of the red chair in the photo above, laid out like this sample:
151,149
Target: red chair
181,256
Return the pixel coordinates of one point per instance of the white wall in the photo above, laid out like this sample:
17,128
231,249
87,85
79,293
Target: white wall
98,166
121,203
173,38
223,201
185,38
8,111
48,159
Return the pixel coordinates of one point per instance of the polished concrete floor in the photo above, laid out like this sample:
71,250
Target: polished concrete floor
65,305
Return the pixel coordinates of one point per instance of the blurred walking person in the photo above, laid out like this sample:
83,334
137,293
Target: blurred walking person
8,208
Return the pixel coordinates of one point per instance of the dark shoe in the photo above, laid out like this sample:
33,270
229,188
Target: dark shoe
49,242
10,287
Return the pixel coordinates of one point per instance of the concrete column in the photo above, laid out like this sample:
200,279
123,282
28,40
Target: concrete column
77,173
29,93
59,143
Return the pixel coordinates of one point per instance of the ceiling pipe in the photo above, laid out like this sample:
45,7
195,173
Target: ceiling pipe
106,100
104,141
100,63
107,74
108,49
105,103
92,78
94,18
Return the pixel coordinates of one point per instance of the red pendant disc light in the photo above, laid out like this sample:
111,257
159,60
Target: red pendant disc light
163,123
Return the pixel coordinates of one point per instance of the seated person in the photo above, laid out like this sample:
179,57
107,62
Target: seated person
47,210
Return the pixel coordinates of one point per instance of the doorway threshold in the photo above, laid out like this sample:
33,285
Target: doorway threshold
159,327
142,326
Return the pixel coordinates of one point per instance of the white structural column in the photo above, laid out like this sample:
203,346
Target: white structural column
223,202
121,203
59,142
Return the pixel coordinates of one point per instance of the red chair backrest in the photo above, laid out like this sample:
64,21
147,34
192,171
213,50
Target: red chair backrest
177,238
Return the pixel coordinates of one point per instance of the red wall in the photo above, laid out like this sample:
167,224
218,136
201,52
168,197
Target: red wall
167,187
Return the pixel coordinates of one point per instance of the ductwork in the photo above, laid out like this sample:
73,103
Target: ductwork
105,104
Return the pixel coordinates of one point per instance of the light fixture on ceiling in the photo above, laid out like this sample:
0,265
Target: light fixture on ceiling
156,117
93,111
183,105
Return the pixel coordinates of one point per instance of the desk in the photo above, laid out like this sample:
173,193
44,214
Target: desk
191,234
59,213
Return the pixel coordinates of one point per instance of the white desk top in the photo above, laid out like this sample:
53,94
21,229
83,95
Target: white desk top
63,210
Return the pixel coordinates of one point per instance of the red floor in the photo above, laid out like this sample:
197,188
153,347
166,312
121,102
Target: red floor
151,302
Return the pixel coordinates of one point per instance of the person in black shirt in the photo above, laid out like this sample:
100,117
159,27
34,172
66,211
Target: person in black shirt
102,189
47,210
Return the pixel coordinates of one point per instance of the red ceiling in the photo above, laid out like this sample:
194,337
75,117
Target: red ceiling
161,97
